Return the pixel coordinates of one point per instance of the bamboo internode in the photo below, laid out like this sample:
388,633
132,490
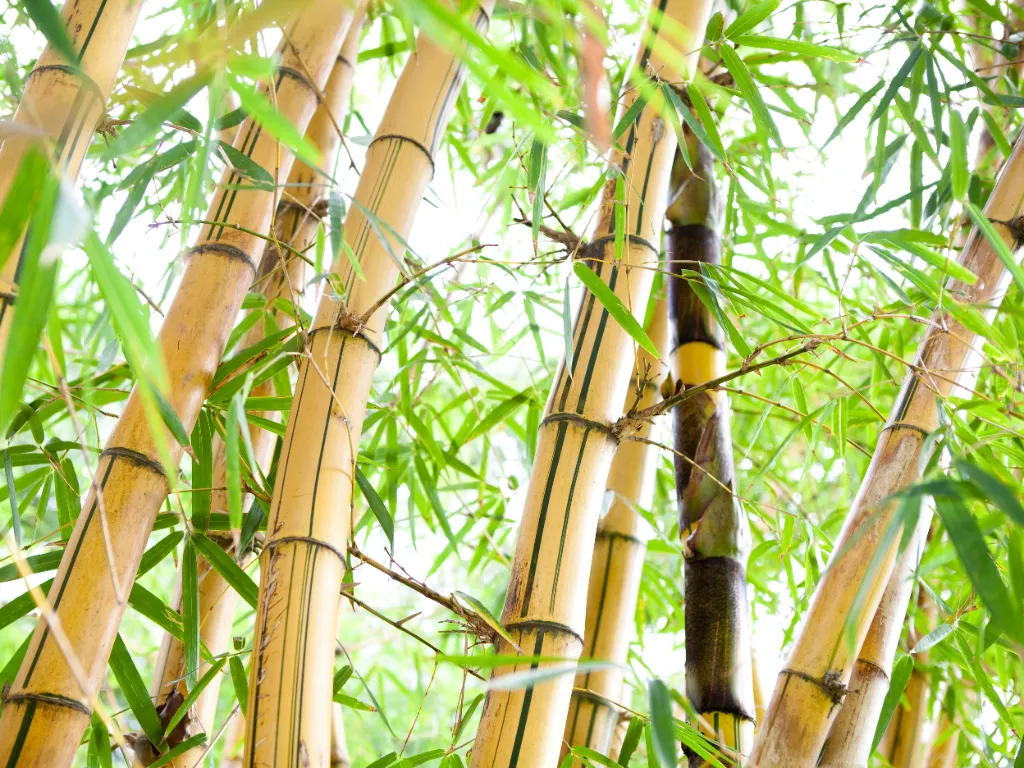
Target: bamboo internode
303,564
546,601
812,686
618,560
64,102
712,524
49,704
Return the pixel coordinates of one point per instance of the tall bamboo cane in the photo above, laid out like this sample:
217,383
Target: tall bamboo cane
809,690
311,514
546,601
50,703
942,748
712,524
64,101
849,742
618,561
296,225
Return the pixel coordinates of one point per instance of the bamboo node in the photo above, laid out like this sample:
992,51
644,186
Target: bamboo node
138,459
643,242
831,683
87,83
400,138
225,250
294,74
270,545
600,426
53,699
352,326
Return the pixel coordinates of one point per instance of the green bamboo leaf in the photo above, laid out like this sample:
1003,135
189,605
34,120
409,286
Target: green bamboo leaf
629,117
703,136
193,695
933,638
240,681
168,757
243,163
48,21
750,18
260,109
854,111
98,755
897,82
593,756
22,199
161,162
12,497
498,414
487,616
377,506
707,122
799,47
631,741
229,570
531,677
752,94
959,175
613,304
998,244
969,543
233,466
202,471
898,680
134,691
169,417
145,126
156,554
353,703
467,715
662,726
190,613
993,489
538,171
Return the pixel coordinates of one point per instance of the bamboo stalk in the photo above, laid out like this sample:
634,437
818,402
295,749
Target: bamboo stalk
64,102
294,224
849,742
546,601
48,709
942,749
312,513
712,524
618,561
811,687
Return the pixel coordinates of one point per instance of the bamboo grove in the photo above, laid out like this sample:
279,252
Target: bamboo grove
511,385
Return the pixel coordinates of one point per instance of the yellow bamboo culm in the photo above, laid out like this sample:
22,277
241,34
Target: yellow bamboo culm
849,742
64,102
546,602
279,275
302,564
618,561
810,689
942,749
50,702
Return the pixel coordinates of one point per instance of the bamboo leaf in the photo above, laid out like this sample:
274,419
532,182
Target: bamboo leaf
240,681
145,126
487,616
353,703
22,199
631,741
221,562
800,47
98,755
959,175
170,418
662,727
134,691
246,165
193,695
233,466
932,639
593,756
629,116
12,497
49,22
970,547
190,613
168,757
750,91
750,18
277,125
897,82
202,471
613,304
532,677
998,244
498,414
992,488
897,683
536,181
377,506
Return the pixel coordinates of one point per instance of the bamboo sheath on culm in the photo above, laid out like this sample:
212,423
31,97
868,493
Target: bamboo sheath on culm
618,560
302,564
64,101
49,706
546,601
812,686
281,274
712,523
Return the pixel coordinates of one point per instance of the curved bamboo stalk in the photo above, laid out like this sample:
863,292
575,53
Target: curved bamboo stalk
64,101
49,707
849,742
811,687
712,524
311,515
618,561
294,224
545,604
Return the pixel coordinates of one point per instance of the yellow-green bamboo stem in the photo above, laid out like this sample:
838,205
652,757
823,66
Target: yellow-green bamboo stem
712,524
942,750
63,103
48,709
812,686
279,275
849,742
618,561
311,514
545,605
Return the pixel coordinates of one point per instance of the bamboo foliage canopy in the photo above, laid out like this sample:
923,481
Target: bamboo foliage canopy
145,172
